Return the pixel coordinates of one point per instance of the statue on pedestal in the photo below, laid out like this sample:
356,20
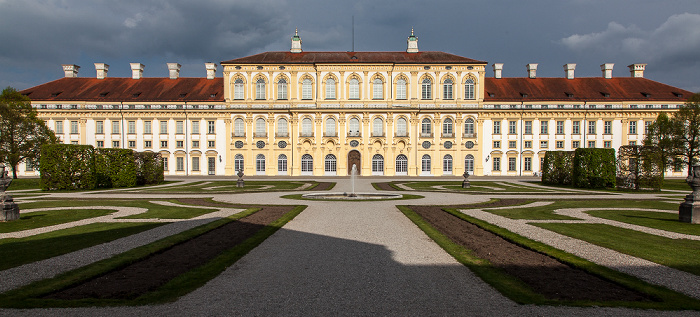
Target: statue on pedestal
240,182
10,210
465,182
689,211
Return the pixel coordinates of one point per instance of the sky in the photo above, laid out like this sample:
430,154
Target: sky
38,36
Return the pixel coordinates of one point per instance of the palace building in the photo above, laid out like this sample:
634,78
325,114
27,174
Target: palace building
297,113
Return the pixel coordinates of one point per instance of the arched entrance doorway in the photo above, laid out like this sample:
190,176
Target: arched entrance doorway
354,157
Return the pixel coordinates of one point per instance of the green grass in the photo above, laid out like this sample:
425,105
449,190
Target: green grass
652,219
20,251
39,219
519,292
230,186
680,254
24,183
404,197
476,186
676,184
154,210
547,212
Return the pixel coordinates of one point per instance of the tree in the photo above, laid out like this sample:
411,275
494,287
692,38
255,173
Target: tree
679,136
659,135
22,133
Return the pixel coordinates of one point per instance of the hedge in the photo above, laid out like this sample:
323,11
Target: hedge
115,168
594,168
558,167
67,166
639,167
149,168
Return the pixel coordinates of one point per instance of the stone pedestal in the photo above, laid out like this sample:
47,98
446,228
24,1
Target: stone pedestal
465,182
689,211
240,183
10,210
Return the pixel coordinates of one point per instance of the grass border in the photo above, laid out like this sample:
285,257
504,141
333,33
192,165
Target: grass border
299,197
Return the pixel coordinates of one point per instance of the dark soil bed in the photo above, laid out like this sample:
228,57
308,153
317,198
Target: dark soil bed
159,268
384,186
545,275
323,186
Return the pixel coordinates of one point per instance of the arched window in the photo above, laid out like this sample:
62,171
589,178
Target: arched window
260,89
401,89
282,128
354,92
354,127
377,89
401,165
401,127
282,89
307,164
447,89
377,127
238,162
282,164
238,127
330,126
260,163
306,127
306,89
426,128
469,163
447,128
469,126
330,88
377,164
426,89
469,89
425,164
447,164
260,127
238,92
330,164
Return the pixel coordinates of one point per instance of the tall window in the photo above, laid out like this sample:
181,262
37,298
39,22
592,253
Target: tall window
426,89
115,127
180,164
330,164
282,127
560,127
163,127
306,127
575,127
544,127
354,127
354,92
591,127
330,88
260,89
238,89
528,127
401,89
147,127
260,163
377,89
195,164
282,163
330,126
496,163
74,127
425,127
99,127
377,127
260,127
497,127
131,126
401,127
425,164
238,162
607,127
238,127
447,164
511,164
447,89
59,127
377,164
447,127
469,163
282,89
306,89
211,127
512,127
527,164
307,163
401,164
469,89
633,127
195,127
179,127
469,126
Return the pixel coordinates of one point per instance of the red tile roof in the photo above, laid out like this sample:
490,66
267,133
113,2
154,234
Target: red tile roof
353,57
129,90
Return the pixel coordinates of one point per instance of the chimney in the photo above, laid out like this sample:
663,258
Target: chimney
174,70
607,69
296,42
569,68
637,70
71,70
101,69
211,70
412,43
136,70
532,70
497,70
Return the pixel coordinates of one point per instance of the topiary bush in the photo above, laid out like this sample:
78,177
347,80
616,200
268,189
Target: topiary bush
115,168
149,168
558,168
594,168
67,167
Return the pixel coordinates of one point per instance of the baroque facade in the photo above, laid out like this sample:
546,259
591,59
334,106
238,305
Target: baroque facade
319,113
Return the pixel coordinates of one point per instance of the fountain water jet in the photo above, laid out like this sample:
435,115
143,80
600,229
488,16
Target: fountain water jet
352,195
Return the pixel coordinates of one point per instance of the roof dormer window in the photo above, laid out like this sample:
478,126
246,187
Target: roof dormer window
183,95
678,95
605,94
524,95
492,95
56,94
136,95
646,94
570,95
103,94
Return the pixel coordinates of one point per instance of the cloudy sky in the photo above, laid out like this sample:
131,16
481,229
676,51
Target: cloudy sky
37,36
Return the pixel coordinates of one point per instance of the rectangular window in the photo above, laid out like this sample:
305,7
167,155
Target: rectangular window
28,166
147,127
195,144
646,126
528,127
560,127
497,127
511,144
179,127
195,164
100,144
115,144
591,127
576,127
164,127
115,127
511,164
59,127
211,127
401,91
633,127
633,142
528,144
512,127
74,127
163,144
527,164
147,144
544,127
195,127
132,144
211,144
496,144
180,144
591,144
131,127
560,144
575,144
74,142
496,163
99,127
180,163
544,144
607,127
607,144
165,164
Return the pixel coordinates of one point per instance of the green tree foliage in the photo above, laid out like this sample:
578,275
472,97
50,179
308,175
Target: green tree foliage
594,168
149,168
558,167
67,167
639,167
22,133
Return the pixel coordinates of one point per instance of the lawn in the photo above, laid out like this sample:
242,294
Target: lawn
24,183
40,219
230,186
657,220
547,212
154,210
476,186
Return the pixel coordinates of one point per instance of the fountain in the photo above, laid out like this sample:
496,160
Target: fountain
352,195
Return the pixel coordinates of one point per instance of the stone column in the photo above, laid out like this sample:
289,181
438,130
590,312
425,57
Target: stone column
689,211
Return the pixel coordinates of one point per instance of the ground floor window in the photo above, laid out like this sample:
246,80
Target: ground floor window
447,164
282,164
180,164
511,164
377,164
195,164
401,164
307,163
425,164
238,162
260,163
330,164
527,164
497,164
211,165
469,163
165,164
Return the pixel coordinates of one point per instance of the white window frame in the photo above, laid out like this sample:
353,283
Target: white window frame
401,89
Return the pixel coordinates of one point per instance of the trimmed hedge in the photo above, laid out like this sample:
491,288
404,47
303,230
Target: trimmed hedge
594,168
67,166
640,167
149,168
115,168
558,168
